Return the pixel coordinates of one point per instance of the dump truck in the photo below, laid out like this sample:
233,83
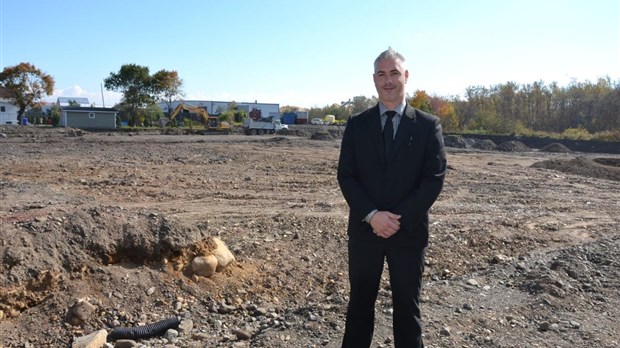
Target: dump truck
263,126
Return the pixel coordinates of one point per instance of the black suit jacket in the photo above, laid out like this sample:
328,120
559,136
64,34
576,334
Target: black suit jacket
407,182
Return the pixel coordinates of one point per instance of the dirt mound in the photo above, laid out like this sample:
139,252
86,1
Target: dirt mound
485,144
614,162
583,166
556,147
98,235
455,141
513,146
321,136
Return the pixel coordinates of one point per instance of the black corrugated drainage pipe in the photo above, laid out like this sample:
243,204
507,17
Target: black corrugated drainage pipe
146,331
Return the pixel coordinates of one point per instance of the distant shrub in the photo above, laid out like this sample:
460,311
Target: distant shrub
578,133
521,129
607,136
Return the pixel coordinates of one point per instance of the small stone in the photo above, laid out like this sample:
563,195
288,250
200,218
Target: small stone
171,334
186,326
150,291
83,310
178,305
124,343
544,326
499,258
242,334
445,331
200,336
473,282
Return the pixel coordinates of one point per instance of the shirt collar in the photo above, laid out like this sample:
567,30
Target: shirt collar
400,108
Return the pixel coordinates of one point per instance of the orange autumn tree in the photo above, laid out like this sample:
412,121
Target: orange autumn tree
446,113
25,86
436,106
421,100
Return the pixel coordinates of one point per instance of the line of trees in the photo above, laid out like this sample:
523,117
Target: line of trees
509,107
590,107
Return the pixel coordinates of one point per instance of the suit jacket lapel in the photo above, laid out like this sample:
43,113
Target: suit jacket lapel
375,123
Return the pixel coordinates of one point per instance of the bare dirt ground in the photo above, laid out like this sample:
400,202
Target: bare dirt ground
524,248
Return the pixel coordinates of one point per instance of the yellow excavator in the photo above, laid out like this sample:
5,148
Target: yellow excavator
211,122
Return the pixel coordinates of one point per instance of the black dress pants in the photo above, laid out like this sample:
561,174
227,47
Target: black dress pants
405,265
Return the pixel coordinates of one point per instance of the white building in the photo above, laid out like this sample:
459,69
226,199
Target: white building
8,110
216,107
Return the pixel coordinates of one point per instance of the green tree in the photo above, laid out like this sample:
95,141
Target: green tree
54,114
421,101
136,85
167,86
25,86
361,103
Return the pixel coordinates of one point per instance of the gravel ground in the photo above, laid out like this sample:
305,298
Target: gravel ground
98,230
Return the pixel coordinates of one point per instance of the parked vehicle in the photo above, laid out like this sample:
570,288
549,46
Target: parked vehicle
316,121
263,126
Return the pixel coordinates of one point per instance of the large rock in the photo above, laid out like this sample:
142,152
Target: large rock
204,266
94,340
223,255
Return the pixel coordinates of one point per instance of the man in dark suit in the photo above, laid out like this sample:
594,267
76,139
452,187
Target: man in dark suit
391,170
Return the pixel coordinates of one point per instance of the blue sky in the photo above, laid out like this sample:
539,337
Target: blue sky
311,53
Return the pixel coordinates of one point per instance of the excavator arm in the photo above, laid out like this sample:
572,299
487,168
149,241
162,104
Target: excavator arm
193,109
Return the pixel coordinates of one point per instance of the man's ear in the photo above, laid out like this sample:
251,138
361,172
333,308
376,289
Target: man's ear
406,75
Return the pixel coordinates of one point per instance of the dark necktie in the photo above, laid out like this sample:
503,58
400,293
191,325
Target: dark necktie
388,132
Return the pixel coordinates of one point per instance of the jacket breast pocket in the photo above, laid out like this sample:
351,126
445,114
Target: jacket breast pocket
412,148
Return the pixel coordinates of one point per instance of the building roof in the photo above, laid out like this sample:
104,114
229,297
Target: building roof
87,109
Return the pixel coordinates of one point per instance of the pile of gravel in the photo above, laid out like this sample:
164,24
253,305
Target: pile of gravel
456,141
513,146
582,166
485,144
556,147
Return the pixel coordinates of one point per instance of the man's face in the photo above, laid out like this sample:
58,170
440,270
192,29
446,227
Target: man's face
390,78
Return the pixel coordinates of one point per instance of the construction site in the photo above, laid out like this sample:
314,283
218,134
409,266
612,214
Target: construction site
108,230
